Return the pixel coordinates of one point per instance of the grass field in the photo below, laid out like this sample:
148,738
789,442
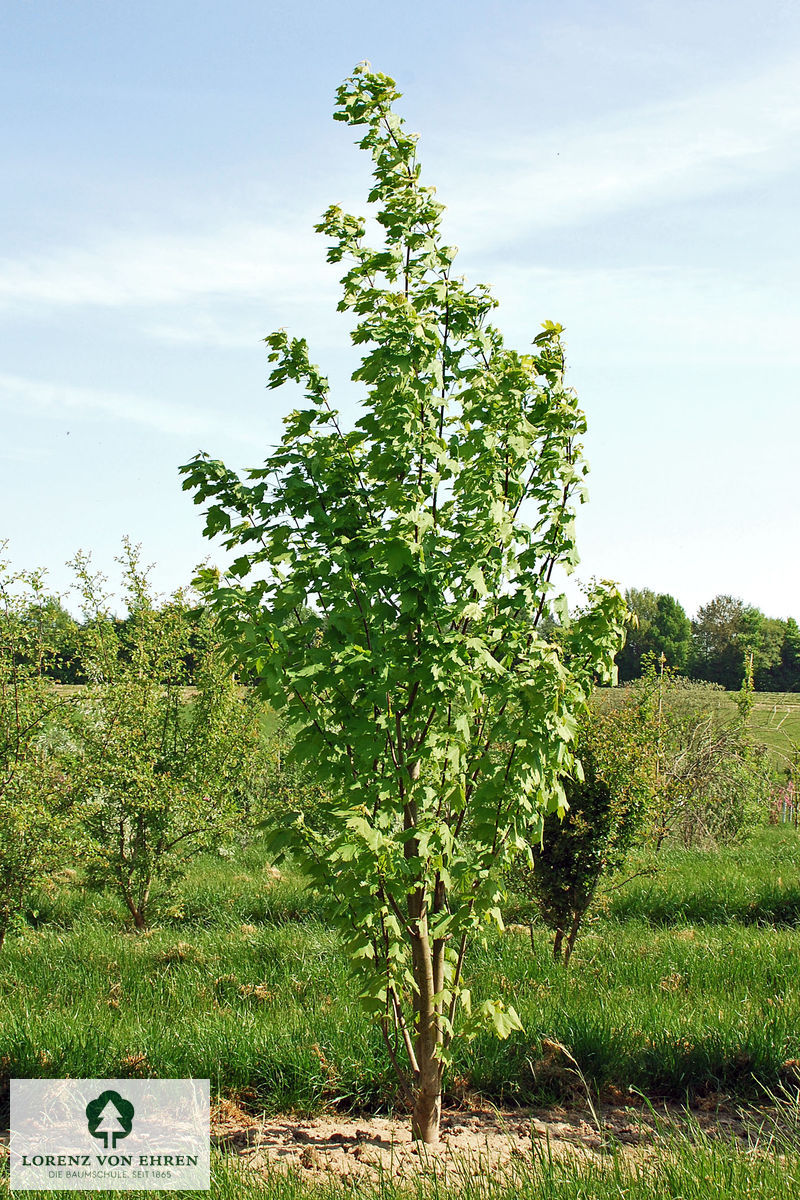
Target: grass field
685,986
689,983
270,1016
775,720
696,1169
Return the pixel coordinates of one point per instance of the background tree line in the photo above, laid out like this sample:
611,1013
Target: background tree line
712,647
67,642
716,645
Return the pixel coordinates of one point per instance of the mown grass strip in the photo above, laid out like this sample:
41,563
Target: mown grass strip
689,1169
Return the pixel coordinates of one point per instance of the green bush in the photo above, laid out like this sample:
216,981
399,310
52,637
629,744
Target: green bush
35,787
712,784
607,804
163,772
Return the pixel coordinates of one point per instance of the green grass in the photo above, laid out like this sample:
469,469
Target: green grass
216,892
242,1008
694,1168
669,1012
775,721
755,883
689,984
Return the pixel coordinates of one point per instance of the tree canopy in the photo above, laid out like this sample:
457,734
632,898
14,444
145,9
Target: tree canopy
423,542
662,628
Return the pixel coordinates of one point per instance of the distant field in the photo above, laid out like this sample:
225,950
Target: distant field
774,719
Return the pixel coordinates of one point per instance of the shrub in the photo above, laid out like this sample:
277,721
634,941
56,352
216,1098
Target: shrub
162,771
607,801
35,789
712,784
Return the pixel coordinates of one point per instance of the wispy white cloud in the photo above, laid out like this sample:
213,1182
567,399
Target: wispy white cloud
21,394
654,315
245,259
714,140
239,332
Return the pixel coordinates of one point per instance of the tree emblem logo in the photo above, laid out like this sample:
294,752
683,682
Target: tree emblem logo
110,1116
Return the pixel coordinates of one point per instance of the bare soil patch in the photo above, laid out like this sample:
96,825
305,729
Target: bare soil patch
487,1140
483,1139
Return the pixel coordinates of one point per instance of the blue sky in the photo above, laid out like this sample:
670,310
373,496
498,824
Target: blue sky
630,170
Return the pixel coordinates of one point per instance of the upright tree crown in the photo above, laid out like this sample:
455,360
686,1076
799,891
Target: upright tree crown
424,540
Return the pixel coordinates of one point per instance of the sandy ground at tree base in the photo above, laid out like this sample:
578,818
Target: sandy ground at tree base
488,1140
481,1139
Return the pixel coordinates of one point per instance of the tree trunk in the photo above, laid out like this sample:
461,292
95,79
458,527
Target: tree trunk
136,912
573,933
427,1115
428,964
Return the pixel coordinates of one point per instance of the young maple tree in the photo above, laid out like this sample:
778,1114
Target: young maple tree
36,791
397,574
160,771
